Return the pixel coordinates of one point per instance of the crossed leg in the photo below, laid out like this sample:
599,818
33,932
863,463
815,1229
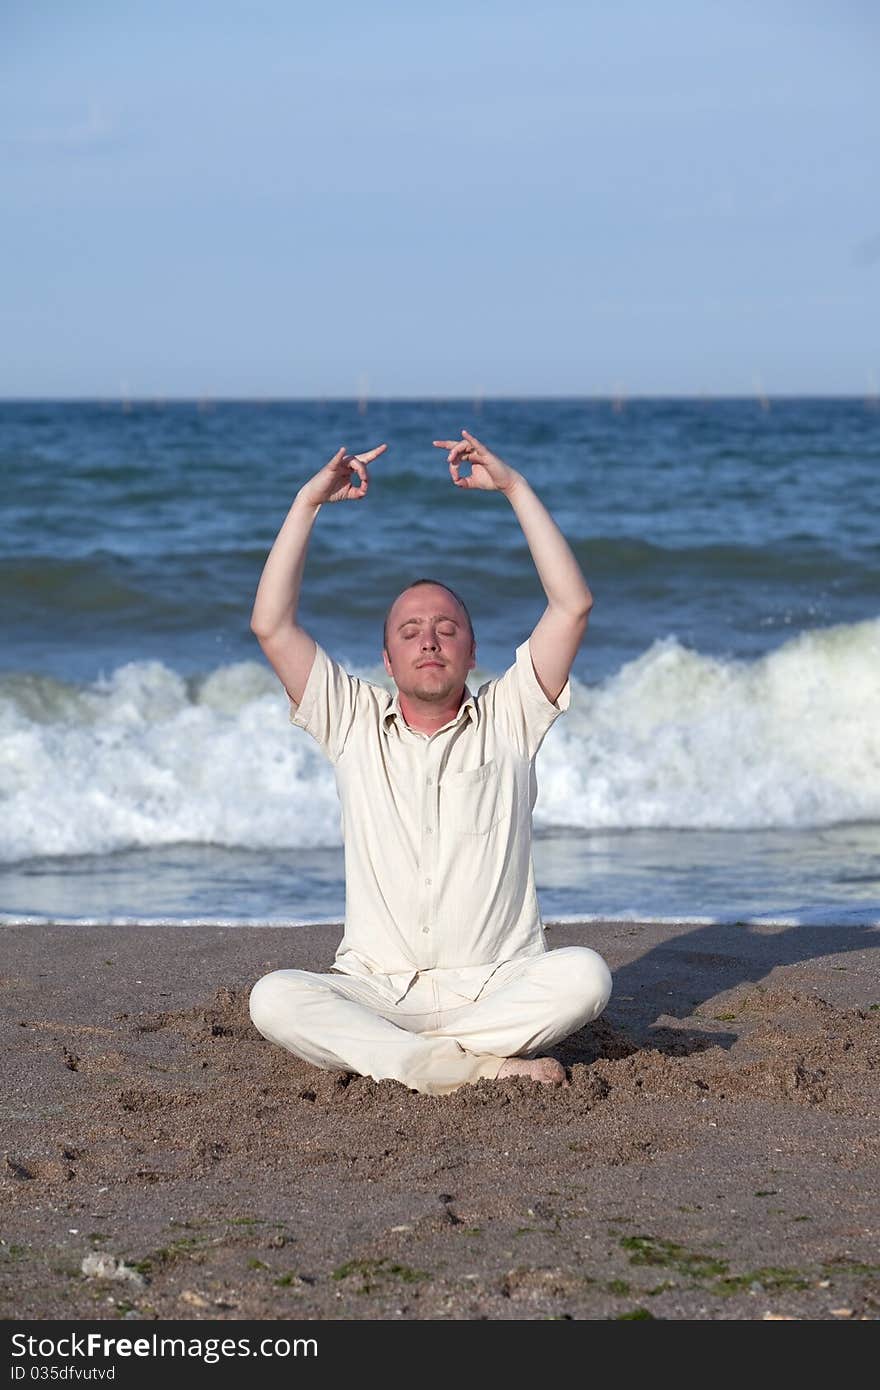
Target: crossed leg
338,1021
529,1005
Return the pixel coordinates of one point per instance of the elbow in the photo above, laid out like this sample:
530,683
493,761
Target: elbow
582,612
575,614
260,630
267,634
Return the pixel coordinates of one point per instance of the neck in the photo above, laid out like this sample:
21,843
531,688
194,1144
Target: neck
425,716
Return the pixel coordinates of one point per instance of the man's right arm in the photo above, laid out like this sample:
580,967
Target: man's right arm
288,648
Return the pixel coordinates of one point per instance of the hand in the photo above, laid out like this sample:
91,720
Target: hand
488,472
334,481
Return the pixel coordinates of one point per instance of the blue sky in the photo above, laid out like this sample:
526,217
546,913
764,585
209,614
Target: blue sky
287,199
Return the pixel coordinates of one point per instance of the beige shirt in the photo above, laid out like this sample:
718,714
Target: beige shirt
437,828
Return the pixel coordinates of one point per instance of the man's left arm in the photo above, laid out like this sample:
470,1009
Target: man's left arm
559,632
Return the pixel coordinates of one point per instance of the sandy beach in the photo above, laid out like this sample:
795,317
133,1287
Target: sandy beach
714,1157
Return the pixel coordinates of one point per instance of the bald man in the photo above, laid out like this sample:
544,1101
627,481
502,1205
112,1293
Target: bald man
443,976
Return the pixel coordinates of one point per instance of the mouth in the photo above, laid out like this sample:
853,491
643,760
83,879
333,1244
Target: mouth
423,664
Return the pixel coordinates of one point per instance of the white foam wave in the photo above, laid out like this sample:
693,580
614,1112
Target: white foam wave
680,740
145,758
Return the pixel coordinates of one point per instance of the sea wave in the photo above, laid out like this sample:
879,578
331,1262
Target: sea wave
675,739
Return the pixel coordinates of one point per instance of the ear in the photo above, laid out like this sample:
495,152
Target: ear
387,662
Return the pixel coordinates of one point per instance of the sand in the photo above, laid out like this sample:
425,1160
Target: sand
715,1156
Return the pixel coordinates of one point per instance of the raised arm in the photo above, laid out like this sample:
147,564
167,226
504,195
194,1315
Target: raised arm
288,648
559,632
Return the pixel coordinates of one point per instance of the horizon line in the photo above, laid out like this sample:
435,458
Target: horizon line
614,396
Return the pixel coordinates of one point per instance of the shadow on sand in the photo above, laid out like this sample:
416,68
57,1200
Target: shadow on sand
658,993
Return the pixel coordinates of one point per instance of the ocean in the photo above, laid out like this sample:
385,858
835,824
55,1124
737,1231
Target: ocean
721,757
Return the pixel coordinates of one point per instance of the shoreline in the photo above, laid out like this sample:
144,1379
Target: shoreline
731,1079
866,919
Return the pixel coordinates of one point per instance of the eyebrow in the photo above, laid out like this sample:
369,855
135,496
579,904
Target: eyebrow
441,618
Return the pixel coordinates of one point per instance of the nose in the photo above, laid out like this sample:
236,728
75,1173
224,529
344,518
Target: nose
429,642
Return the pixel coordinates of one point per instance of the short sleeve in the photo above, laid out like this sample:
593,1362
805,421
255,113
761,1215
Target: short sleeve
328,705
519,706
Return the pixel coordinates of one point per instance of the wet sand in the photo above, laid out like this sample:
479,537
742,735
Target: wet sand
715,1156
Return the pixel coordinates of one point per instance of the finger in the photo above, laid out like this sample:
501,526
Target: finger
472,438
372,453
456,478
446,443
460,450
355,465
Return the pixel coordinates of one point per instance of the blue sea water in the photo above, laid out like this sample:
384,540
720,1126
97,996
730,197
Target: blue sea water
721,757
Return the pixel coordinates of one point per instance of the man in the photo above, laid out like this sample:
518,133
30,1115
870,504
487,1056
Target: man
443,975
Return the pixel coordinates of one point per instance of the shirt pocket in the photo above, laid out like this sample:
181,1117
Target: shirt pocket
476,801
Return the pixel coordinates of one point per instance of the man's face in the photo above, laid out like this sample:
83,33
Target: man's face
430,650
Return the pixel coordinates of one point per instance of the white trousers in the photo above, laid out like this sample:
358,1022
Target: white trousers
432,1040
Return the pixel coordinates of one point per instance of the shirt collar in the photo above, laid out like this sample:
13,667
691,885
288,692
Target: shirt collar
467,707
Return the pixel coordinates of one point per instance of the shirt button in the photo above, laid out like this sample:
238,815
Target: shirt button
425,931
429,830
428,781
428,881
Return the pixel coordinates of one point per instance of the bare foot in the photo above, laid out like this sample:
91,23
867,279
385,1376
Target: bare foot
544,1069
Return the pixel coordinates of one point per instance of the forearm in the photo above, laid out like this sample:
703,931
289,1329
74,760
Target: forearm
277,598
558,570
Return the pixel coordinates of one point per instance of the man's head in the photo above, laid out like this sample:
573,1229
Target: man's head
428,642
